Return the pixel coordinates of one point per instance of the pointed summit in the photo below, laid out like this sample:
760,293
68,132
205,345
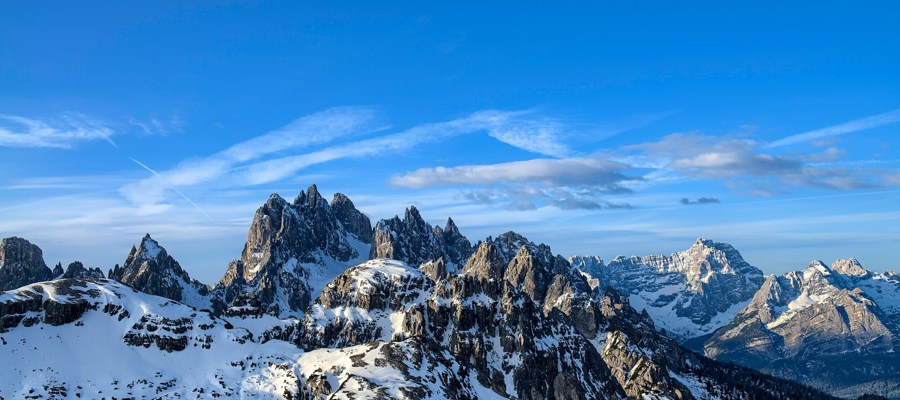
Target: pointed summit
150,269
708,281
416,242
294,249
352,219
310,198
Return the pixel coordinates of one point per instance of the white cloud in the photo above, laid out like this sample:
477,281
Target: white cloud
715,157
856,125
592,170
63,133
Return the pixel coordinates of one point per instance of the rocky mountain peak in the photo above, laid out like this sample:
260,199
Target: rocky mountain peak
294,249
352,219
76,270
412,216
801,325
310,198
416,242
849,267
486,263
21,263
150,269
688,293
450,227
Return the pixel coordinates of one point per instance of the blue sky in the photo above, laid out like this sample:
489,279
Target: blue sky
606,129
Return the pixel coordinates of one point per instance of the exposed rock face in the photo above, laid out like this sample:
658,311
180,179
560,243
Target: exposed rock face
495,337
490,329
414,241
293,250
76,270
150,269
21,263
805,324
689,293
355,222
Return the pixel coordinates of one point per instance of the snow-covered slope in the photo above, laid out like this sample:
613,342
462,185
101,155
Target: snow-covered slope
99,338
689,293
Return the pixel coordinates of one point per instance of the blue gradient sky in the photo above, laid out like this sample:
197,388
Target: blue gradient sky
607,129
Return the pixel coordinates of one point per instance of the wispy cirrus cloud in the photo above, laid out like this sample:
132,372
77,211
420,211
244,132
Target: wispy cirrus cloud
856,125
262,160
315,129
158,126
279,168
540,136
61,133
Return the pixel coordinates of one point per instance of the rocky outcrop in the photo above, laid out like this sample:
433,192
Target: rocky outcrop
293,250
76,270
415,242
353,221
150,269
689,293
21,263
497,337
804,324
524,324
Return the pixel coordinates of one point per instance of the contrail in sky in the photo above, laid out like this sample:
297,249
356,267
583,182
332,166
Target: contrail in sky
171,186
869,122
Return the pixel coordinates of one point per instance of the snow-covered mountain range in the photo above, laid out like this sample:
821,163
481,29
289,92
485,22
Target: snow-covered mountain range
321,304
835,328
689,293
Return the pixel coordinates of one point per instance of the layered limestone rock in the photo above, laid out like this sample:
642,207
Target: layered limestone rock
21,263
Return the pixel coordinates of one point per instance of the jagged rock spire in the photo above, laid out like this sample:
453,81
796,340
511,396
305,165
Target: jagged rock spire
293,249
416,242
150,269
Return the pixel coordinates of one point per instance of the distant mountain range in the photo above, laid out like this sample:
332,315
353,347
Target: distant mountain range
322,304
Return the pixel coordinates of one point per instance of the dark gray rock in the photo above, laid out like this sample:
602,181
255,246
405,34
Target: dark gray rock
76,270
150,269
293,250
21,263
355,222
414,241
